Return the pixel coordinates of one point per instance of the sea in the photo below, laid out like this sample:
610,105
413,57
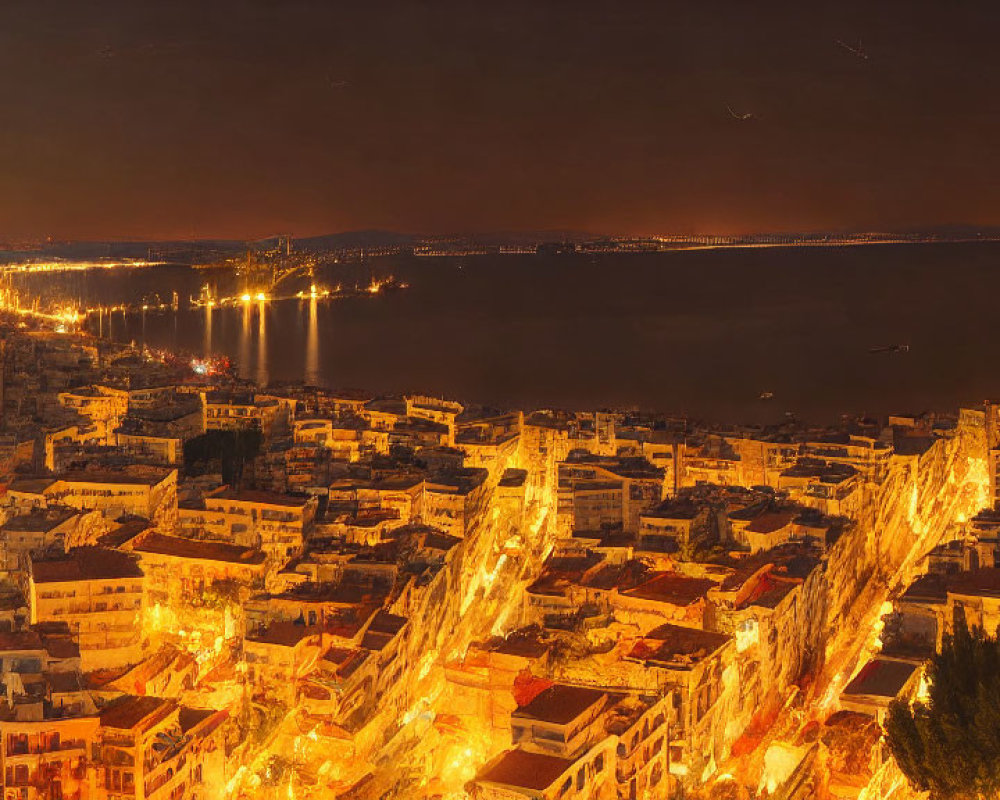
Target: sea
731,334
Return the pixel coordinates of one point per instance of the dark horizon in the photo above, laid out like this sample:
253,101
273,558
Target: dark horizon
180,121
956,232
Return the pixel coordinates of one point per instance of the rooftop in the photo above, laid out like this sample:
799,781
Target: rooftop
535,771
881,677
40,521
984,582
283,633
128,711
561,703
86,564
772,521
671,587
135,475
205,550
261,498
677,646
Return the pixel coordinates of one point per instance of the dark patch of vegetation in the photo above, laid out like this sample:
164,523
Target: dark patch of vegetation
227,452
950,745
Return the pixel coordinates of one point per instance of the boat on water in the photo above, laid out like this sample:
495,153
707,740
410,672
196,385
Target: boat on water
890,348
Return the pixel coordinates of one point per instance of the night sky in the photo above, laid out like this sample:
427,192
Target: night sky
243,119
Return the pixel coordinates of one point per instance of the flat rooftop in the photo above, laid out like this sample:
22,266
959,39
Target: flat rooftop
86,564
881,677
260,498
129,710
179,547
677,646
519,768
560,703
670,587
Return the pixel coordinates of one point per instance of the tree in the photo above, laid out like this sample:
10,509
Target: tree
950,745
230,449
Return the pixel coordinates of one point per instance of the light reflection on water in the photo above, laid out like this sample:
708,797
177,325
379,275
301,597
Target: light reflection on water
261,376
698,332
206,346
312,373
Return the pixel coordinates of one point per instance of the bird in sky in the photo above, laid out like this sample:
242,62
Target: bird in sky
742,116
858,51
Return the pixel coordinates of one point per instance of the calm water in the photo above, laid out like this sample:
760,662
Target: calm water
701,332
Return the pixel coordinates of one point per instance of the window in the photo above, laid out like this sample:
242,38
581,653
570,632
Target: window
599,764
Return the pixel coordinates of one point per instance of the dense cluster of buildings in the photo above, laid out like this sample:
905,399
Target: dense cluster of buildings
212,589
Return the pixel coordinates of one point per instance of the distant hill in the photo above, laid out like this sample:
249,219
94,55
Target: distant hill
183,250
352,240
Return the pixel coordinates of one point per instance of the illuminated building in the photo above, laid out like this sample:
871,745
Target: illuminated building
519,773
385,502
156,433
154,749
179,569
711,460
664,596
275,523
48,724
674,524
878,683
342,682
102,405
437,410
561,720
288,466
99,594
419,597
280,655
689,662
452,501
770,529
828,486
226,411
489,442
149,492
32,535
604,490
383,413
419,432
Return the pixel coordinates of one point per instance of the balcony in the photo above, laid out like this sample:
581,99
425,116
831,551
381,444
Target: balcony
166,783
38,748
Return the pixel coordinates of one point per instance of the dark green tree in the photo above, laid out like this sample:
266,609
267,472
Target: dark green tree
231,450
950,745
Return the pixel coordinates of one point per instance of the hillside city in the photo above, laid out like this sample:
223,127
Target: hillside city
213,589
